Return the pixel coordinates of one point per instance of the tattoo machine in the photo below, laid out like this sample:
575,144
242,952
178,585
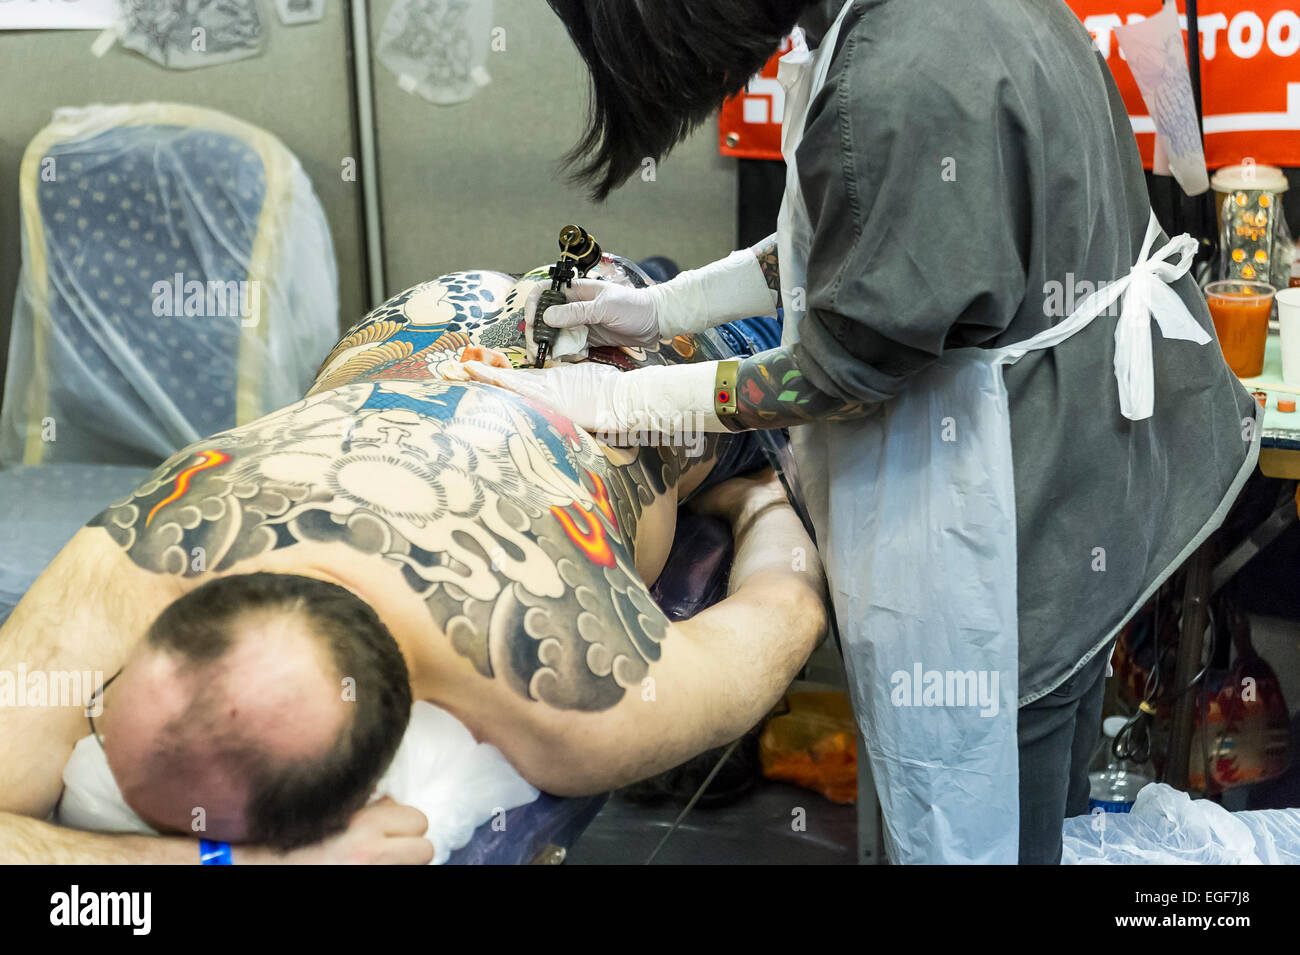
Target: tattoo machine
579,254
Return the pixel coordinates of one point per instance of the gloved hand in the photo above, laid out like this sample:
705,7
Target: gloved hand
616,315
569,342
662,399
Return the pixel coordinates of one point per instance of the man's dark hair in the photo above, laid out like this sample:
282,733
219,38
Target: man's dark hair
292,802
660,68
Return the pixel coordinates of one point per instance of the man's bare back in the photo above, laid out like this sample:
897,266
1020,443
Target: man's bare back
508,553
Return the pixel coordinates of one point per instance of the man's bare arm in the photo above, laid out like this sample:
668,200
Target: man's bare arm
383,833
25,841
775,613
721,673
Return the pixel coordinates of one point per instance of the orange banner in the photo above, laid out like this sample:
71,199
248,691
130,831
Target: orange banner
1250,75
750,124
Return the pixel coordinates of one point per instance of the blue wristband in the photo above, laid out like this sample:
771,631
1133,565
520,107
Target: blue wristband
214,853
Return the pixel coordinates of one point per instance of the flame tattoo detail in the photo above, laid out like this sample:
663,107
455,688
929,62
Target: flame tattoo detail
601,494
592,541
207,459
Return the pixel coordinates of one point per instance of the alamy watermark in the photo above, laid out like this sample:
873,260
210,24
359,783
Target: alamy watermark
40,688
175,297
1061,299
678,430
946,688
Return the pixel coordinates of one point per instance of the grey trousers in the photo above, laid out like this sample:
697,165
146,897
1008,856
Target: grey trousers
1057,735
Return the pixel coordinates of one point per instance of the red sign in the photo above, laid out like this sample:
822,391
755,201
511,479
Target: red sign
1250,75
750,124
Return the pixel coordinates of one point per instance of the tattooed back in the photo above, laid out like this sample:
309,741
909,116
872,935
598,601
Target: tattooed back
508,552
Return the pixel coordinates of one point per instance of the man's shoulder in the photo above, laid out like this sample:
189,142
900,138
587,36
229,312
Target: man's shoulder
86,607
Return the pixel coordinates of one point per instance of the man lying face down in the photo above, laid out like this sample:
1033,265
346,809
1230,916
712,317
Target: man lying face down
235,694
273,599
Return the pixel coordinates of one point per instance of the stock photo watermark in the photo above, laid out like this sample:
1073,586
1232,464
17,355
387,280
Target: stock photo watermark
83,908
683,430
946,688
176,297
21,687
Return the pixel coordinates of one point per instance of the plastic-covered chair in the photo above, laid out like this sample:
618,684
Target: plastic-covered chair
178,279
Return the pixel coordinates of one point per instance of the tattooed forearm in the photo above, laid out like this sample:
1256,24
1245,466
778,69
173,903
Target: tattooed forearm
769,261
771,392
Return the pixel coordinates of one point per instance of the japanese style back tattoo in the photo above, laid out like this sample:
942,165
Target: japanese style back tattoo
516,528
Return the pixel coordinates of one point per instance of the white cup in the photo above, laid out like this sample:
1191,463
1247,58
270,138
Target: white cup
1288,318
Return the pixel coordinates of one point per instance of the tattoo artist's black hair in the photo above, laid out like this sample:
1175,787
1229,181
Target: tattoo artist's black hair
659,69
291,803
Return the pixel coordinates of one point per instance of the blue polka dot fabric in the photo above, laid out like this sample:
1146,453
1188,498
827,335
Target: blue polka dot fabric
137,224
165,267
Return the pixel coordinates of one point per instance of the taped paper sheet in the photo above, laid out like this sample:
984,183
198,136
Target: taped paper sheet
438,48
1156,54
185,34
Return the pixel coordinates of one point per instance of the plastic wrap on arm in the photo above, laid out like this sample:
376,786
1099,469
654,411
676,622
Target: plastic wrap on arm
177,279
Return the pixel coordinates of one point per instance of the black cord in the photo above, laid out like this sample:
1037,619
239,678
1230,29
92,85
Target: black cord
1133,742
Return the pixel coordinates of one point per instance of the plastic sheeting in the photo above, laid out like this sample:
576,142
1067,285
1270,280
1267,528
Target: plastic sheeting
184,34
1168,827
178,278
438,48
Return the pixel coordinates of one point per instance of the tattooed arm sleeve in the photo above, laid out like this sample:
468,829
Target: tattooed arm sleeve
770,262
771,392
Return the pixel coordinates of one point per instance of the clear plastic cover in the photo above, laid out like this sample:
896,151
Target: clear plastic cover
178,279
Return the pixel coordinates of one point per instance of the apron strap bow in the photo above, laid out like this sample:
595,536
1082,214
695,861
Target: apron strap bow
1148,295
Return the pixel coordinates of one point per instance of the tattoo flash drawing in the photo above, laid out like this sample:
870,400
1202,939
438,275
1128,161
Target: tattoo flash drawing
516,528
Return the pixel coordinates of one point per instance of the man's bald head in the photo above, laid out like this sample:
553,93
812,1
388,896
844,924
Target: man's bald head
263,706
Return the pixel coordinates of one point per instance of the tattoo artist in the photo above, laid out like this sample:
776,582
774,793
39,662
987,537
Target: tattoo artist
948,161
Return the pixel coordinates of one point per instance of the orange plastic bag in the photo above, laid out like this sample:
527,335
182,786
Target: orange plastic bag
814,744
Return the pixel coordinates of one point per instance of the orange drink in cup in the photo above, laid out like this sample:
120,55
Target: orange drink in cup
1241,312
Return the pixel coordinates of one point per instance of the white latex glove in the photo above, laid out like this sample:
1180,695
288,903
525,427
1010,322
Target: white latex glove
569,342
693,301
605,313
670,400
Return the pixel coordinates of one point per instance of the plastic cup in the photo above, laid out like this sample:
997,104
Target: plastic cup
1241,311
1288,317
